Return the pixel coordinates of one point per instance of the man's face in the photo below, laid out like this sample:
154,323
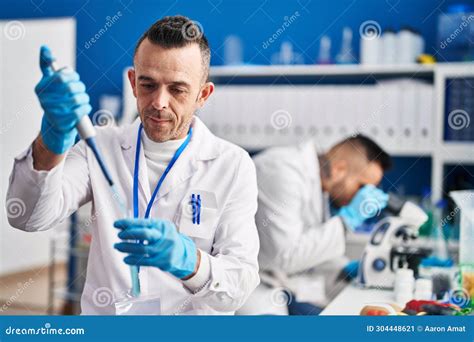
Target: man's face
169,87
343,190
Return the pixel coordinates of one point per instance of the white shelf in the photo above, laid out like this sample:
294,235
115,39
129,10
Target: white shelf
418,152
320,70
440,151
457,152
337,70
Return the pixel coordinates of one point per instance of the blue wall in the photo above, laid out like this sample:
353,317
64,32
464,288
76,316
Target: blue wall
101,65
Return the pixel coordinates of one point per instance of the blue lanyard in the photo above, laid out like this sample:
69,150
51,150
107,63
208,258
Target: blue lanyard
162,178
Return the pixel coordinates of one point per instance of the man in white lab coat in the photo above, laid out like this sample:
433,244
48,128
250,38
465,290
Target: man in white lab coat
302,247
194,220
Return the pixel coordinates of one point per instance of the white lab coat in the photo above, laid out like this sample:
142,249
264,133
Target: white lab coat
301,247
221,172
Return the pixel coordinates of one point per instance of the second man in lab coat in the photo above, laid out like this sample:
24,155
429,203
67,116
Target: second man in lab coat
299,240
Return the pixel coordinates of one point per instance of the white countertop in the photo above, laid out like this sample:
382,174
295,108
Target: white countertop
353,298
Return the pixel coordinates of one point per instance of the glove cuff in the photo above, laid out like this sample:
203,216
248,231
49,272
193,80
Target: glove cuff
348,218
189,258
57,142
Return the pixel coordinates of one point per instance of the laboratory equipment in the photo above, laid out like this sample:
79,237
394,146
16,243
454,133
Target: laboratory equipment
403,47
440,251
404,285
456,33
389,47
371,47
408,46
423,289
428,207
286,55
87,132
346,54
324,56
233,50
388,248
464,199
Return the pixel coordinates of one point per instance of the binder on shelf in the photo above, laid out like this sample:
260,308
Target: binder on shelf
408,113
425,118
390,109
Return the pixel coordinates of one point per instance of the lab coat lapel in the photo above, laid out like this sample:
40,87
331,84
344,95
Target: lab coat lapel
129,148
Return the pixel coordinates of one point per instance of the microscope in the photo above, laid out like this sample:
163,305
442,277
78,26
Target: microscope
389,246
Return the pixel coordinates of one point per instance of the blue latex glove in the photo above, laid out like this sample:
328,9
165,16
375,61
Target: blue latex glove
159,244
351,269
367,203
64,101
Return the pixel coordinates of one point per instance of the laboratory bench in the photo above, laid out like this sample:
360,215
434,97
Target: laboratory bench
353,298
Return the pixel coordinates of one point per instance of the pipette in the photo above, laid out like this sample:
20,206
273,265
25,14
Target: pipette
87,133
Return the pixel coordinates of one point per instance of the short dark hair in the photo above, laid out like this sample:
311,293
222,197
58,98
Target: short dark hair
373,152
178,31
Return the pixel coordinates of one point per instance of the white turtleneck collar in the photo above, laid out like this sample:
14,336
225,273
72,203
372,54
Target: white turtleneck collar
160,147
158,155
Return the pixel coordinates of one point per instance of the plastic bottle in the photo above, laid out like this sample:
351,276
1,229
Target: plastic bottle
427,206
419,45
324,56
389,47
404,285
423,289
370,50
406,46
346,55
440,247
233,50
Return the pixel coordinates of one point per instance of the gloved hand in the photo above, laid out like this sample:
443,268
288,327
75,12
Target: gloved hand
164,247
351,269
367,203
64,101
